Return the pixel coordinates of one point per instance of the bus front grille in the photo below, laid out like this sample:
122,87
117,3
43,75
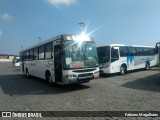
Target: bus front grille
85,75
86,70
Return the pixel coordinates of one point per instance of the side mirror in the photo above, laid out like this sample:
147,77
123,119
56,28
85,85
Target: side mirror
157,47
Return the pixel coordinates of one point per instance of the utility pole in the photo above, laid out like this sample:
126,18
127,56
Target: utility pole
82,25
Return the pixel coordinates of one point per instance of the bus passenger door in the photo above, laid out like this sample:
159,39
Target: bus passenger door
57,63
115,60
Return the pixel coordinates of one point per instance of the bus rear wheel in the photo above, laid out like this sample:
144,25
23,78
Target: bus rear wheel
122,70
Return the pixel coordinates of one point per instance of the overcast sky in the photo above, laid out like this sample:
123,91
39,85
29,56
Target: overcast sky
128,22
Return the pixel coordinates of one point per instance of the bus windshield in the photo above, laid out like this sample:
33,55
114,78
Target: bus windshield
103,54
79,55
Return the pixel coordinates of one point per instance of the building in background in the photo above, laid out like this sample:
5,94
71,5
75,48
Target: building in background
6,58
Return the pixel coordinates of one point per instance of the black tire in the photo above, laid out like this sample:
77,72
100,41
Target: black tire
122,70
147,67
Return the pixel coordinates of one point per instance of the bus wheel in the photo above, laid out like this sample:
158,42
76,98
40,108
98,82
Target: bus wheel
122,70
147,66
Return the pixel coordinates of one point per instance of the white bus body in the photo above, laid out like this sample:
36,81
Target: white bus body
116,58
16,61
63,59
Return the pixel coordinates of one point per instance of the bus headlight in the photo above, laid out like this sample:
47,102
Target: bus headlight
70,76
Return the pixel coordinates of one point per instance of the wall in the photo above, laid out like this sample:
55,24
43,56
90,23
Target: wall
6,58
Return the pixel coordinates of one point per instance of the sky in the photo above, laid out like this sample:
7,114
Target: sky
129,22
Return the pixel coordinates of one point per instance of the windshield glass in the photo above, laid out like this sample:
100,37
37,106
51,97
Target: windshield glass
103,54
79,55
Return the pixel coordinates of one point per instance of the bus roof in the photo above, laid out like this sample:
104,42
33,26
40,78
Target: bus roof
43,42
61,36
112,45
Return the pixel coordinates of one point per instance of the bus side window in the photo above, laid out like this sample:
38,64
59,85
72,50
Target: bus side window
49,51
114,55
132,51
123,51
35,54
139,51
31,54
152,51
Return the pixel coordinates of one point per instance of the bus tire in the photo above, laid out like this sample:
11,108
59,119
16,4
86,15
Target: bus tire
27,73
122,69
147,67
49,78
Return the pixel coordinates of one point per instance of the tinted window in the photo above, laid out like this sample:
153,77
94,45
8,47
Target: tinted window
103,54
146,51
132,51
31,55
114,55
48,51
140,51
41,52
35,53
152,51
123,51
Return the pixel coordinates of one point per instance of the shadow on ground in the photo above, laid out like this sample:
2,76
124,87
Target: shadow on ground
150,83
129,72
118,74
18,84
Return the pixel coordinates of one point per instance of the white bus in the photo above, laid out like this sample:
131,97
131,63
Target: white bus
116,58
16,61
63,59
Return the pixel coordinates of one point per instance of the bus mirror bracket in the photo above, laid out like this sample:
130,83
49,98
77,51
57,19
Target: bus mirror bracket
157,47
